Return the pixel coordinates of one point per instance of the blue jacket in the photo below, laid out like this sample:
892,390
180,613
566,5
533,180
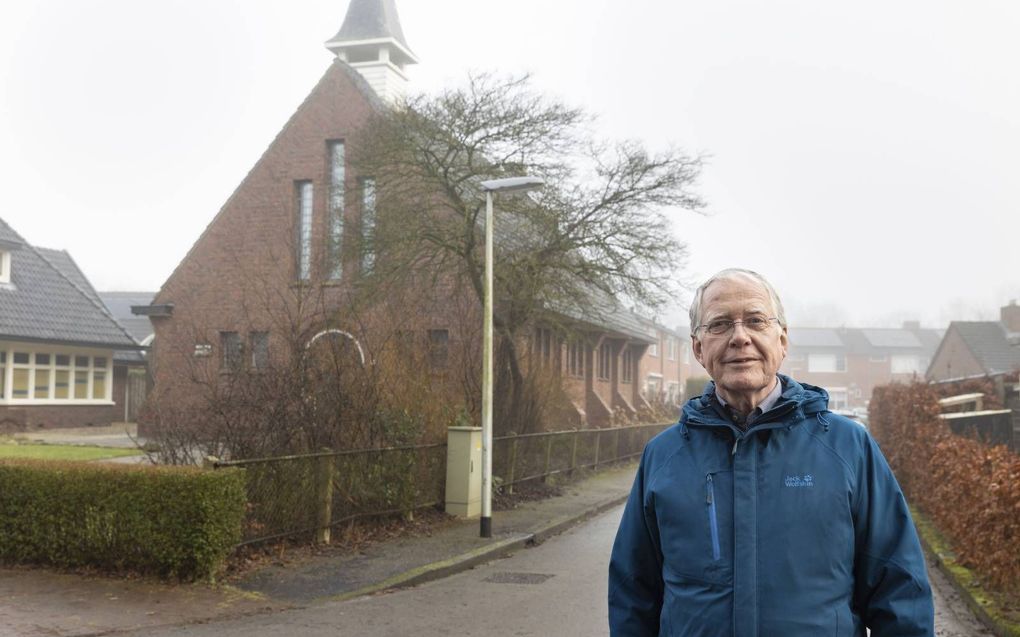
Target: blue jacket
795,528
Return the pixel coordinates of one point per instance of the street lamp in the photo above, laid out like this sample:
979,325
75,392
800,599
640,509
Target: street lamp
511,184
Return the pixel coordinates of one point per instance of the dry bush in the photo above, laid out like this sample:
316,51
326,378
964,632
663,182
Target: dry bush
970,490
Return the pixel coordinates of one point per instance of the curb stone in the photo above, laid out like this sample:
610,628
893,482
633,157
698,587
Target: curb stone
440,569
465,561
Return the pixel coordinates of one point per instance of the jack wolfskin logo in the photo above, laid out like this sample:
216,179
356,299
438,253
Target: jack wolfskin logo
799,481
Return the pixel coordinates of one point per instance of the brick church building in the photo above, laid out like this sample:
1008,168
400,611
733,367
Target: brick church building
282,258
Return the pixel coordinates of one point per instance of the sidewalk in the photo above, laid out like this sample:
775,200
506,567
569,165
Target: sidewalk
35,602
121,435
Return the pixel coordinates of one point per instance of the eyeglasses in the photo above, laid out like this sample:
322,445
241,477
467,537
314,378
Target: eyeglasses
719,327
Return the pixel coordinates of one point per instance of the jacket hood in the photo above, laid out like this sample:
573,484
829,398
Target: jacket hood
808,399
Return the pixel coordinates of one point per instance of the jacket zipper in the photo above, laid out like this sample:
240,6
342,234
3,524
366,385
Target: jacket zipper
712,520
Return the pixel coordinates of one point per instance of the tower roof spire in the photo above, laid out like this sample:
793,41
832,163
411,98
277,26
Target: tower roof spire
371,22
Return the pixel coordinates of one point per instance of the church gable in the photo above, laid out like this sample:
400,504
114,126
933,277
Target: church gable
258,232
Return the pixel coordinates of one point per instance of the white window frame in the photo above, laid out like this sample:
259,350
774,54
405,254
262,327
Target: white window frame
835,393
905,364
7,369
656,381
5,266
819,363
671,348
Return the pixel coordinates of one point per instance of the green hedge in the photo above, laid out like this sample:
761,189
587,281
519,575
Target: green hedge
168,521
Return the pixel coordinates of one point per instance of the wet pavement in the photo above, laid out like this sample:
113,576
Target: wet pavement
37,602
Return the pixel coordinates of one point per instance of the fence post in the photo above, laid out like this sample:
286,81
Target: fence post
573,455
598,440
616,454
548,454
324,500
513,464
410,481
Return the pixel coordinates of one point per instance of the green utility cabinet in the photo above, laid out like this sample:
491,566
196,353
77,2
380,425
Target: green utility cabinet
464,471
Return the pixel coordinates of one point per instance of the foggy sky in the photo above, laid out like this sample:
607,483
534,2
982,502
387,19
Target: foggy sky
863,156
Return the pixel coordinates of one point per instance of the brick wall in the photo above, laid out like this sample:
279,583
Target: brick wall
240,274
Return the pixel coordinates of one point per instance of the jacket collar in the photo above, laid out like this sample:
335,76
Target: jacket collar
796,397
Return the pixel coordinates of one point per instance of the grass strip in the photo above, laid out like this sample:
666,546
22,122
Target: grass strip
997,610
63,452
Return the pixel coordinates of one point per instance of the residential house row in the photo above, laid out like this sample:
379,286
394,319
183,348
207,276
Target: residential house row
979,348
850,362
64,360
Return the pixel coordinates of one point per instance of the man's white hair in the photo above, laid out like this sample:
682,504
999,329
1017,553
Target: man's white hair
729,274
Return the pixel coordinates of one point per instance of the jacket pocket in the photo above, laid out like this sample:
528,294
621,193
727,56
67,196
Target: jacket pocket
713,517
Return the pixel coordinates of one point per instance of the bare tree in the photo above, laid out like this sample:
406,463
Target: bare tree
598,232
306,368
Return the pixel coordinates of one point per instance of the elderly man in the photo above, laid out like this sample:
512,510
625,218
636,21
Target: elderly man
761,513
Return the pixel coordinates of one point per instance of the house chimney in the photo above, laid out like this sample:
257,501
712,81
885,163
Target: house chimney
1009,315
911,325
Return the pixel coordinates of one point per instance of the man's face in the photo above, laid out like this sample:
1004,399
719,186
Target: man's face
742,363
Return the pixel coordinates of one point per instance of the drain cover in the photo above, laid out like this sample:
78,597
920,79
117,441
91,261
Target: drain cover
517,578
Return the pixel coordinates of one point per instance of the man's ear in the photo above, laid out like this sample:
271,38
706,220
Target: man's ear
696,347
784,341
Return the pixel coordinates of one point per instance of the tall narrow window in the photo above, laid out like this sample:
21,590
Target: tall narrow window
232,350
575,359
605,361
304,229
335,234
99,378
22,370
627,367
5,266
439,348
543,347
42,376
367,224
259,349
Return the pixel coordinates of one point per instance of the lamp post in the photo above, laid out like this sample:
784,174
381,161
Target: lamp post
511,184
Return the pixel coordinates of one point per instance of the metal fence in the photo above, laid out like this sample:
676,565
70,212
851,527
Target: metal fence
308,495
516,459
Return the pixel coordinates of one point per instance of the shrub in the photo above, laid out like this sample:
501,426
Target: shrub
970,490
168,521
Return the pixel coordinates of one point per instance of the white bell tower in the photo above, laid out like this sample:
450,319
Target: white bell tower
372,42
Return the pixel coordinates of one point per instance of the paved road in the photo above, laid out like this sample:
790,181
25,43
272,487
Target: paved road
952,616
558,588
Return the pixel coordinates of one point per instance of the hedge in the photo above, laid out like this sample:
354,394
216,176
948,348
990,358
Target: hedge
970,491
173,522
